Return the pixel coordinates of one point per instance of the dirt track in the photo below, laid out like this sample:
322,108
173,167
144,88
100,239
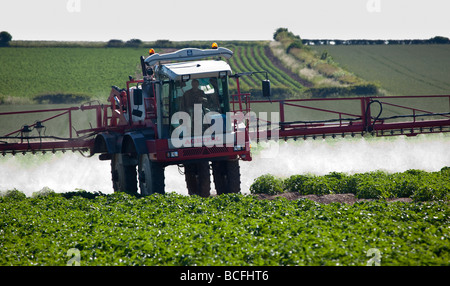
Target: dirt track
325,199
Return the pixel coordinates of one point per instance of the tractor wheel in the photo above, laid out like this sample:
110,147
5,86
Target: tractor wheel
227,177
123,175
190,176
198,179
220,177
151,176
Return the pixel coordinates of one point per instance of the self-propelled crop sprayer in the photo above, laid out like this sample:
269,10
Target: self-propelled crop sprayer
182,113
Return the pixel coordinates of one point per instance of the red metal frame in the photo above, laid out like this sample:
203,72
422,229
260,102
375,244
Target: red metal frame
159,149
44,143
241,99
344,123
360,123
64,111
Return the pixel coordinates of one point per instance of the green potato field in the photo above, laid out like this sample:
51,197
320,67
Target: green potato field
226,230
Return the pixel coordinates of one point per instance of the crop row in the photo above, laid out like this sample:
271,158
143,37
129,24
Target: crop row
237,66
415,184
254,58
235,229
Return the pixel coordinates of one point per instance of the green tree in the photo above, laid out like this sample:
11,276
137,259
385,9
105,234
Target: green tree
5,38
114,43
283,33
135,43
440,40
278,32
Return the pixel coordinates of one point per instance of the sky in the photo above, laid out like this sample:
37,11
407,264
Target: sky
185,20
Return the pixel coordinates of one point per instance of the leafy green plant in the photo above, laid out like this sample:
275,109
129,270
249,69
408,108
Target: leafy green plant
267,184
45,191
319,185
295,183
13,194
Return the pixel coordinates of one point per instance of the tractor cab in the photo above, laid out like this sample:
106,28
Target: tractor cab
193,90
191,94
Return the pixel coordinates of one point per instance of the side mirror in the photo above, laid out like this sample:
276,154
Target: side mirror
266,88
137,96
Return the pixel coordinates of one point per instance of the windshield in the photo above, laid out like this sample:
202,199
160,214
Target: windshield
211,93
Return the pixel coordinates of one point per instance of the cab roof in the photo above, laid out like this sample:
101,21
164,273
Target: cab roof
188,54
195,69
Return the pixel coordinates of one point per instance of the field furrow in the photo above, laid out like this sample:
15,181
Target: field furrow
250,57
241,67
281,77
266,61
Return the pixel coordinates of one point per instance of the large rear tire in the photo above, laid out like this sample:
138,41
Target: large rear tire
198,179
151,176
124,176
227,177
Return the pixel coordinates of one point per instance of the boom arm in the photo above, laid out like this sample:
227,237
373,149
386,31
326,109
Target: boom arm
390,116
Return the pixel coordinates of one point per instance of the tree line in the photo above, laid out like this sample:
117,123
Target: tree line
283,34
434,40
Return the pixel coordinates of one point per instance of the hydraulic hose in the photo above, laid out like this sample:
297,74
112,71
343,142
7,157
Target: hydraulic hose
370,127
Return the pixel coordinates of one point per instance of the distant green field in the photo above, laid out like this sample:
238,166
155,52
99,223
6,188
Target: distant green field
400,69
26,72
